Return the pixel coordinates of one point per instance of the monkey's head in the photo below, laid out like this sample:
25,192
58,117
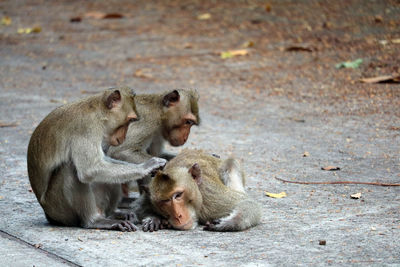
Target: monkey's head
175,195
181,112
119,111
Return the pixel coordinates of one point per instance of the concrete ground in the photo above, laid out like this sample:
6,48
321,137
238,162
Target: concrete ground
268,108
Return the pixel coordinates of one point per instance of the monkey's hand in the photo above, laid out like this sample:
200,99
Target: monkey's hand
153,164
212,226
151,224
124,226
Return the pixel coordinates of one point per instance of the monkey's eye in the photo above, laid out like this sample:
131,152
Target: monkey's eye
178,195
189,122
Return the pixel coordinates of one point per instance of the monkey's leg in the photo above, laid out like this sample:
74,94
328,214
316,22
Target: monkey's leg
55,201
107,197
127,202
231,175
72,203
246,214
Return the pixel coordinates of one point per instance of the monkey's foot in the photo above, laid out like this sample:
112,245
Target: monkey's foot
212,226
124,226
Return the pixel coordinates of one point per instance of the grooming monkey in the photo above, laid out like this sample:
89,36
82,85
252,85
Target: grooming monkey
197,187
166,117
73,180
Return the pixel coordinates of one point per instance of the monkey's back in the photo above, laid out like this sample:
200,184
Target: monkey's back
50,142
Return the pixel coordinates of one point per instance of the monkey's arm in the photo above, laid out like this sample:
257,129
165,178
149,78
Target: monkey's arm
93,166
130,155
156,148
167,155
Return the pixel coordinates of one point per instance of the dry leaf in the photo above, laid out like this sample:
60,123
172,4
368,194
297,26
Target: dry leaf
248,44
75,19
274,195
204,16
356,196
395,41
306,154
330,168
300,47
11,124
378,19
95,15
143,74
88,92
113,16
38,245
6,21
234,53
268,7
382,79
36,29
322,242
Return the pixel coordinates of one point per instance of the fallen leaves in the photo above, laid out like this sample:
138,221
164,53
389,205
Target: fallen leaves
382,79
6,21
38,245
75,19
330,168
300,48
356,196
234,53
306,154
248,44
350,64
204,16
275,195
102,15
9,124
35,29
143,73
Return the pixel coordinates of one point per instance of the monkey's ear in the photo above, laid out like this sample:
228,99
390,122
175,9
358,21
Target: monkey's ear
171,99
113,99
196,173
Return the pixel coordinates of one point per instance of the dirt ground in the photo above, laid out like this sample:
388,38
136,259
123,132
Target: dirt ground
283,108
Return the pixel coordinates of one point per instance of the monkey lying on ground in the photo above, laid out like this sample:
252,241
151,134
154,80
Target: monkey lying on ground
73,180
198,187
166,117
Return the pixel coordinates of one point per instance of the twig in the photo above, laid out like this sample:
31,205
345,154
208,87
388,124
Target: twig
338,182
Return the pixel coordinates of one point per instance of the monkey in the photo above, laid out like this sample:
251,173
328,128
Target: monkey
166,117
195,187
74,181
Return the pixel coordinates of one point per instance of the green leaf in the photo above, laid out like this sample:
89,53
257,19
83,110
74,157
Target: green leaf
350,64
